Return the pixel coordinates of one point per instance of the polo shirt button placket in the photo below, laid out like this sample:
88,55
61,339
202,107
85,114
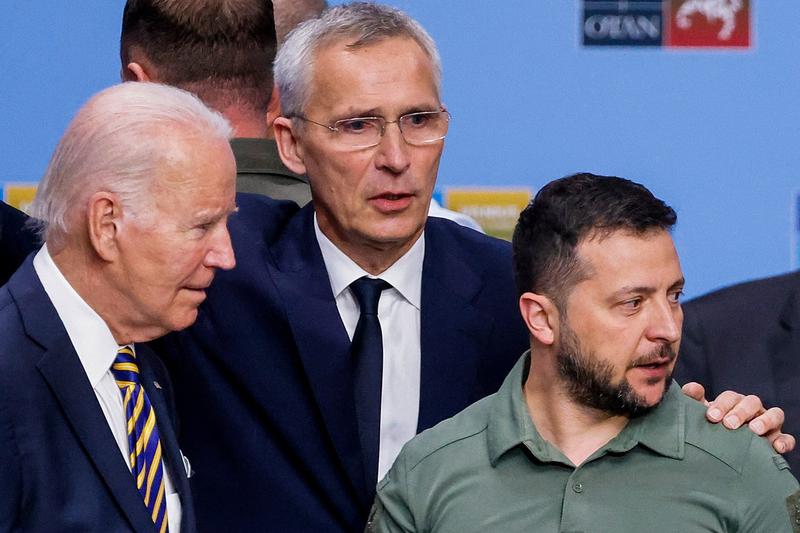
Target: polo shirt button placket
578,487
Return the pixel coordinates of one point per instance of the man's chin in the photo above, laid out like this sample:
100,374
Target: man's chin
183,320
648,397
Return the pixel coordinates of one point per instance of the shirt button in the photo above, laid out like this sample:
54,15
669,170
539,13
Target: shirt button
578,487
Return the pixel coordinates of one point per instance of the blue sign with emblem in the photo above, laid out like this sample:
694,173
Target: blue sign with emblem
623,23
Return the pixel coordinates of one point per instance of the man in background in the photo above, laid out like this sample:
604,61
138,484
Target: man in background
290,13
589,432
134,205
221,50
17,240
747,337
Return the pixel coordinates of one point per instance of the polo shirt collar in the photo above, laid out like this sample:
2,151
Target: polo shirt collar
509,423
662,430
405,275
260,156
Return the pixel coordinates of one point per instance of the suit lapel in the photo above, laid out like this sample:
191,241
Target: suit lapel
67,380
321,339
453,331
63,372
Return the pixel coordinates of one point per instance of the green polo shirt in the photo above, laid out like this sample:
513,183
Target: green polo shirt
488,470
259,170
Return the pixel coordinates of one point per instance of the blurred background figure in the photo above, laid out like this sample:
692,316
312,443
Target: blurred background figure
222,51
16,240
747,338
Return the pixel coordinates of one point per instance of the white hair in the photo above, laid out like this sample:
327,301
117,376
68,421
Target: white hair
363,23
115,143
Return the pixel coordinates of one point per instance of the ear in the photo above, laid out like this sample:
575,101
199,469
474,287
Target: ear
540,315
289,147
273,111
135,72
103,218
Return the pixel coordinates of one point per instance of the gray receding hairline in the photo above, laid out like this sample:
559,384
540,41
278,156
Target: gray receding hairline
115,143
364,23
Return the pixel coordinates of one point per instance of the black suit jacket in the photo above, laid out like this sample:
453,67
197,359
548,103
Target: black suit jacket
747,338
273,437
16,240
60,467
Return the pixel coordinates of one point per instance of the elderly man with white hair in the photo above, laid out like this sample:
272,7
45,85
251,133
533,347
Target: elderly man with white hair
134,207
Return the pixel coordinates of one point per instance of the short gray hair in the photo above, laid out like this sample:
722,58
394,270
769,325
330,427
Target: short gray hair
364,23
116,143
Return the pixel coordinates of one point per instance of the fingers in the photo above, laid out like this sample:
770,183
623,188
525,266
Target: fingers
783,443
734,409
769,423
695,391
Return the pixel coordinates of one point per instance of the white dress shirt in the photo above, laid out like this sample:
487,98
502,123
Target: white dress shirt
399,315
97,349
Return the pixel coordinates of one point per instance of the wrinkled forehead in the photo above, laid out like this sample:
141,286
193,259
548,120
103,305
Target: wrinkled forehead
626,257
192,157
389,77
404,46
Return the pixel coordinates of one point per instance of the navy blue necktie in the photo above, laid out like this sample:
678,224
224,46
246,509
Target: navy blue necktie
367,354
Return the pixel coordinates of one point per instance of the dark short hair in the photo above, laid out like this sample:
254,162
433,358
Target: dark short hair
569,210
221,50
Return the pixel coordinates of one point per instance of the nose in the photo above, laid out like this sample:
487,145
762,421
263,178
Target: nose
393,151
221,255
666,322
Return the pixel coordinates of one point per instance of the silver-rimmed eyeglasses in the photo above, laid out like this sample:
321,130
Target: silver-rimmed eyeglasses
420,128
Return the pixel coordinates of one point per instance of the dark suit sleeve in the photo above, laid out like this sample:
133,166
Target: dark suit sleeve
17,240
10,482
692,362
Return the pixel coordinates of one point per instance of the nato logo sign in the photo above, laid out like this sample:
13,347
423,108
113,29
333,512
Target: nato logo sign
622,23
667,23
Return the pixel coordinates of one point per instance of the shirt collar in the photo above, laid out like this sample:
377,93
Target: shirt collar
405,275
510,425
662,430
90,335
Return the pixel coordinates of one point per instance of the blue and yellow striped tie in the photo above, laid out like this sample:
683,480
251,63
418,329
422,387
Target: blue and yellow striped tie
143,441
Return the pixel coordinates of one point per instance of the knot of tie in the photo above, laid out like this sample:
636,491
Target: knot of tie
368,292
125,369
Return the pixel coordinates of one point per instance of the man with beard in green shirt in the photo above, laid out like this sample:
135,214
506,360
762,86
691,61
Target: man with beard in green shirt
589,432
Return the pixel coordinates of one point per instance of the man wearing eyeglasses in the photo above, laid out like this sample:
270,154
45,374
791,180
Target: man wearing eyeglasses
358,322
314,372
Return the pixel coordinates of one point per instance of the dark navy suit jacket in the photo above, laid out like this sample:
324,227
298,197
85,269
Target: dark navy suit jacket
60,467
16,240
747,338
263,380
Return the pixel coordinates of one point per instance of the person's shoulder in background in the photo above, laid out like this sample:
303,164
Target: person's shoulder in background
17,240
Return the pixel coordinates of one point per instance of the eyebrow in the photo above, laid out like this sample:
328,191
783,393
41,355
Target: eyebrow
212,216
373,112
644,289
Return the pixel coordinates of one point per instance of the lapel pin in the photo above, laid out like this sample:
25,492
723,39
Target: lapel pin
157,384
